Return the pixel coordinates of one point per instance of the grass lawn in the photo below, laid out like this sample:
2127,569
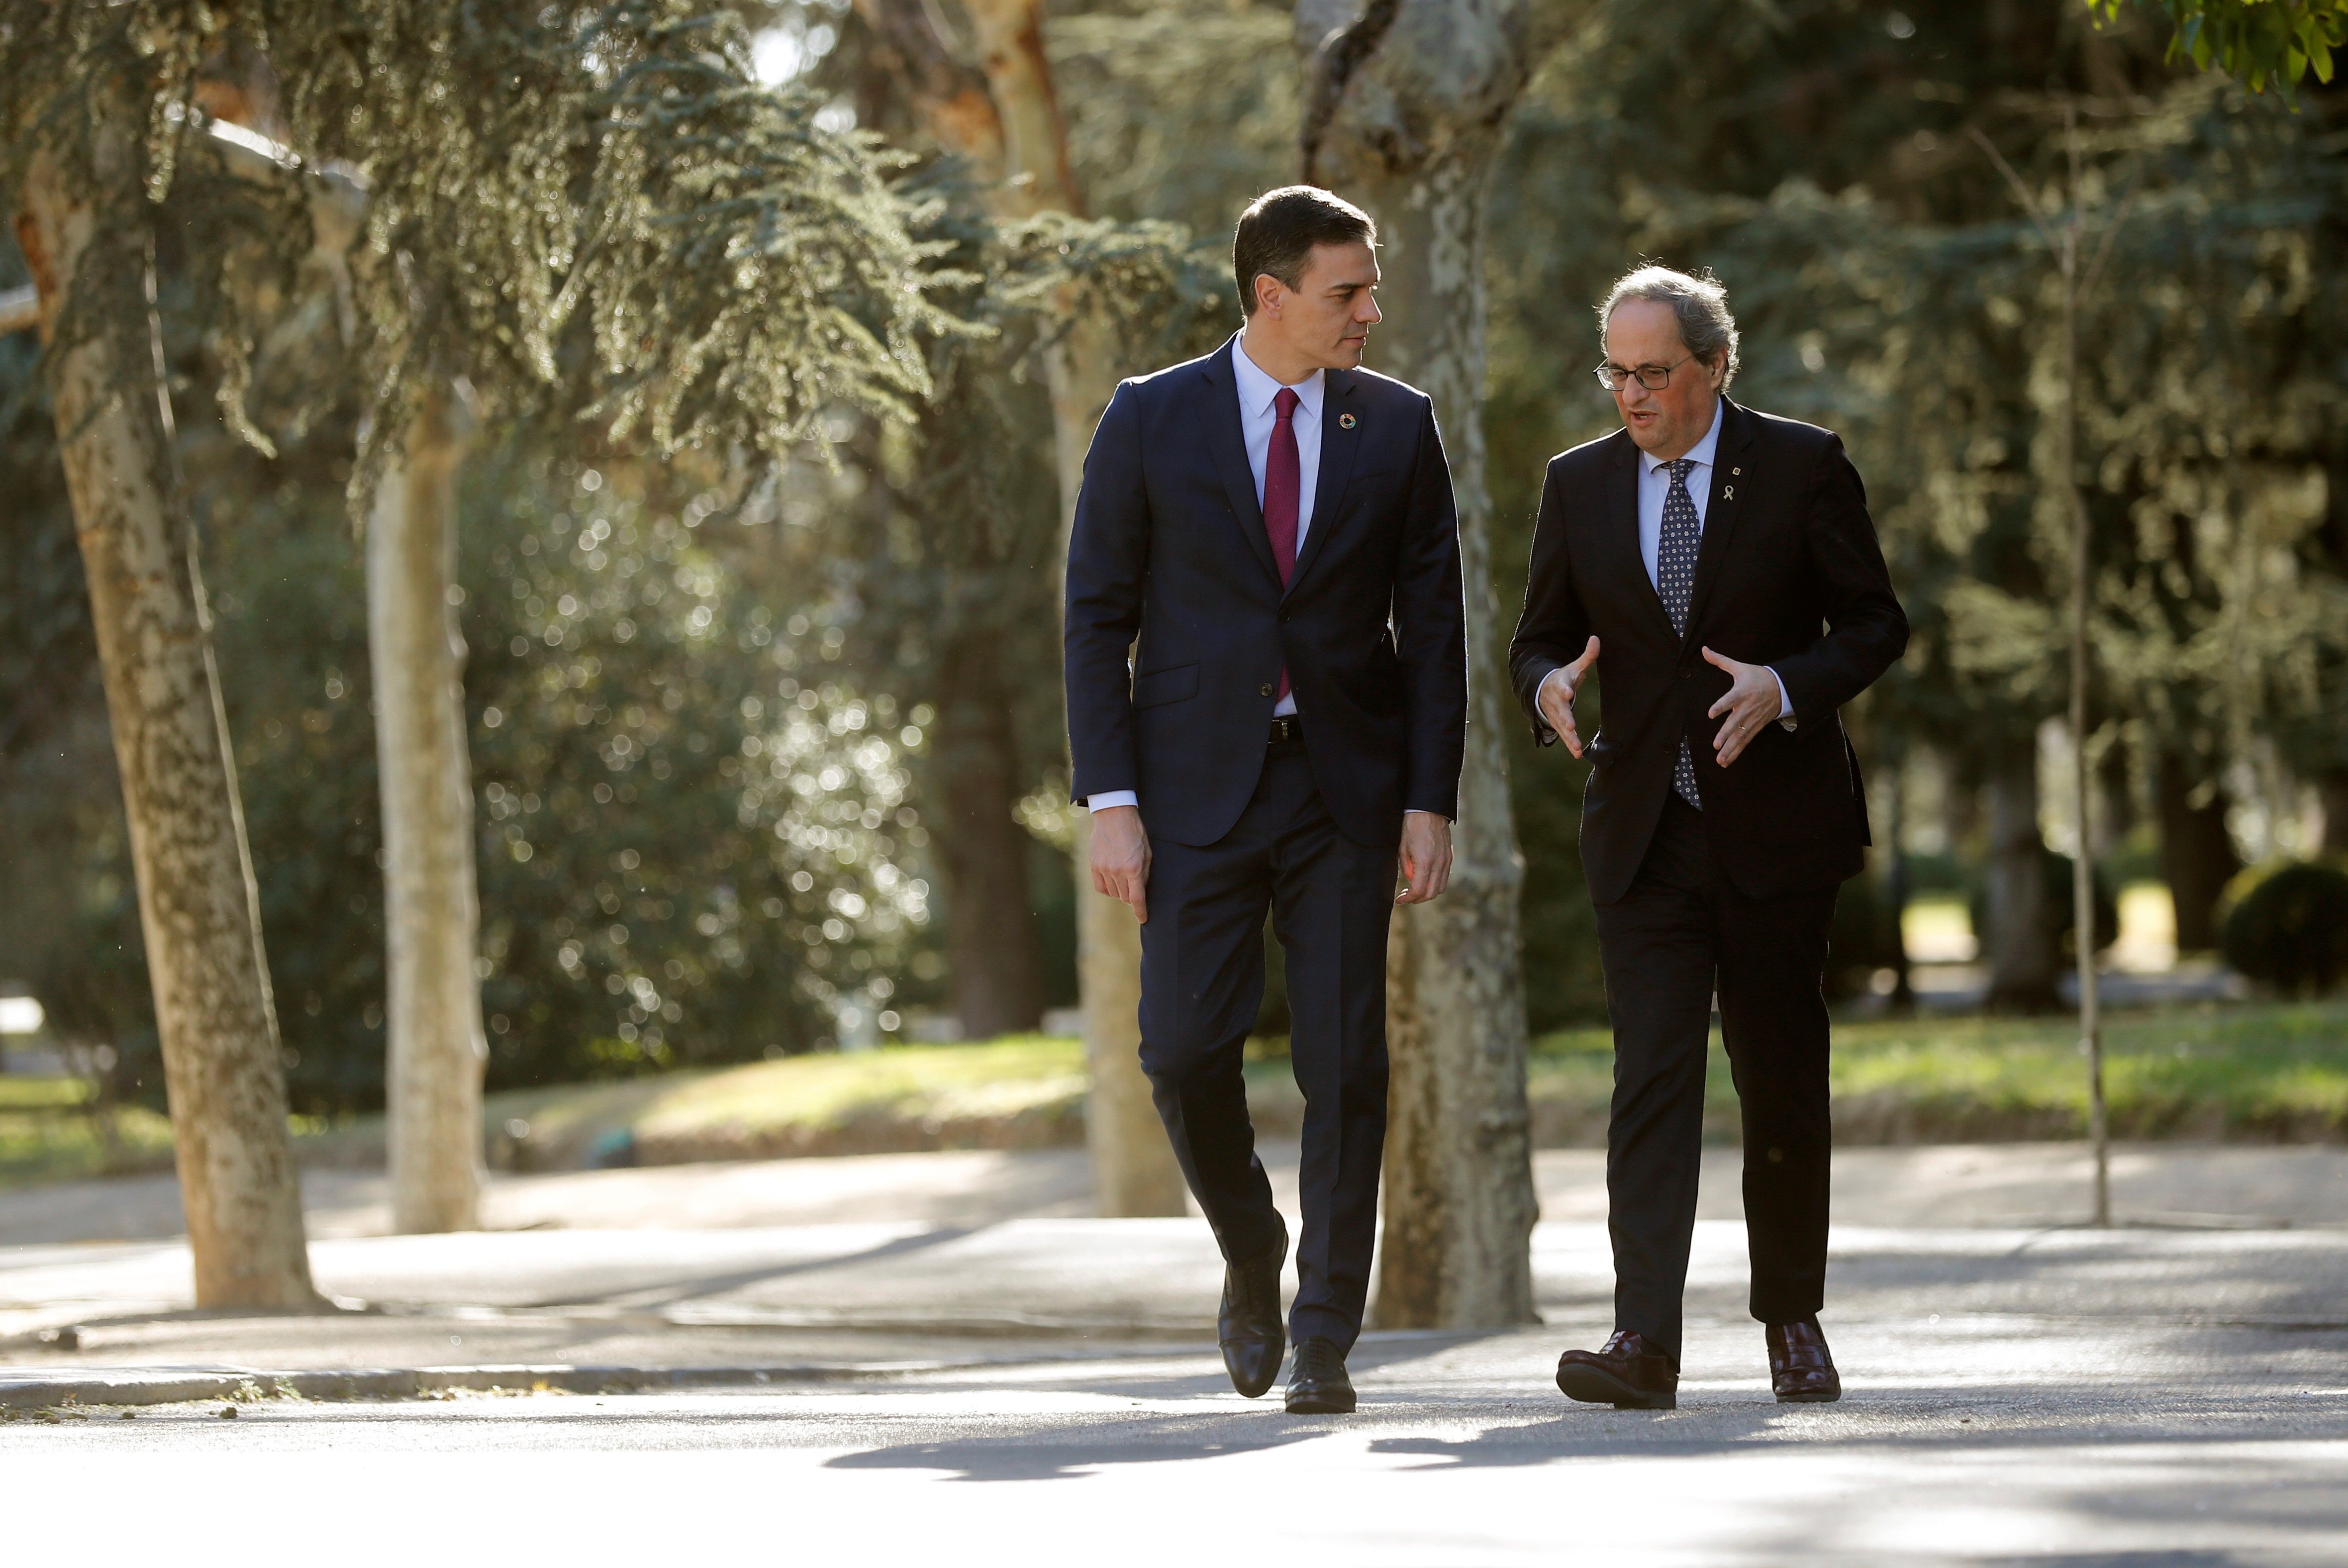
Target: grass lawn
46,1133
2255,1072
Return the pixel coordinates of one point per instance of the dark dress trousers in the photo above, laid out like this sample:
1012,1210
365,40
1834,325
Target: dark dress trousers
1734,900
1169,562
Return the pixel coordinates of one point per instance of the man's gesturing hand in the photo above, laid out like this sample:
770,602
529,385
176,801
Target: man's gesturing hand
1751,701
1558,690
1425,856
1120,857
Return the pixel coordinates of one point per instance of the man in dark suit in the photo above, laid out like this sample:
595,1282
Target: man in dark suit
1725,563
1275,525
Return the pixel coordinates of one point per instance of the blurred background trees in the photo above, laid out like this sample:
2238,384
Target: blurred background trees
766,750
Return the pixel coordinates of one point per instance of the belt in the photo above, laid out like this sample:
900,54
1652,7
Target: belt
1284,730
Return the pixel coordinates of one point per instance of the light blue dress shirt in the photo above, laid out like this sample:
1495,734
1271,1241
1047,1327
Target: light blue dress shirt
1654,485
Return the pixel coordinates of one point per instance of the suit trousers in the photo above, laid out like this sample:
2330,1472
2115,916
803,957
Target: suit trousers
1680,935
1201,983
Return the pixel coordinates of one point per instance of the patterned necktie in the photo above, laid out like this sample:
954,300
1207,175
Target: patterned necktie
1675,582
1282,480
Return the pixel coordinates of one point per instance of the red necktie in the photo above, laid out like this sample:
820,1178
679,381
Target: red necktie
1281,481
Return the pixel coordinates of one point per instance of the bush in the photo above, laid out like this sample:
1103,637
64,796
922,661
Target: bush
1865,937
2285,924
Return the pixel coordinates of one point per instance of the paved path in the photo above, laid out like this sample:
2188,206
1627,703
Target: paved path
1986,1446
958,1367
1932,1185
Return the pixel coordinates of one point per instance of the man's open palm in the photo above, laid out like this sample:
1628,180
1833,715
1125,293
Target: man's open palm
1557,692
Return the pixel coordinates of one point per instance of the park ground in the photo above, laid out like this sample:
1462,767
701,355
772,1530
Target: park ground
2208,1072
932,1357
936,1355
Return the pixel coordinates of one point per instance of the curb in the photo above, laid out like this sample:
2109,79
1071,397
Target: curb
244,1387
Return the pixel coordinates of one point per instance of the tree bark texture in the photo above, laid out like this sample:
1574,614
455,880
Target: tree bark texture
86,234
1024,142
2332,789
1134,1172
2196,852
991,941
1037,174
1405,113
2019,945
431,891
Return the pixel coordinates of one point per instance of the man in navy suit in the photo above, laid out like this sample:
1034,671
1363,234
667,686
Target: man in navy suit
1268,534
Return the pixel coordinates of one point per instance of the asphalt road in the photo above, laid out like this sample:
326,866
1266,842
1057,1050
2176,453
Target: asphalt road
1973,1440
983,1376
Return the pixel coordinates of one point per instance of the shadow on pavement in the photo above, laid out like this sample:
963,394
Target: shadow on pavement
655,1296
994,1459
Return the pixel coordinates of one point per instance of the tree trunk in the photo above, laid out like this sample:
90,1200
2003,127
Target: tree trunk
431,893
1134,1173
2019,945
2331,789
2197,854
85,232
991,942
1405,114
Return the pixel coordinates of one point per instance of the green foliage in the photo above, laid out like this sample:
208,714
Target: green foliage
2259,42
2285,924
51,1130
48,658
740,268
1179,112
694,821
1888,287
1163,296
696,839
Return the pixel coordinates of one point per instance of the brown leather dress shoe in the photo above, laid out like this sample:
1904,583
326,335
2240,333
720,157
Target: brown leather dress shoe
1801,1368
1629,1374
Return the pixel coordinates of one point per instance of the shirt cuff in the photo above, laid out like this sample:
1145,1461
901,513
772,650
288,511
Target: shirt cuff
1547,732
1107,798
1785,702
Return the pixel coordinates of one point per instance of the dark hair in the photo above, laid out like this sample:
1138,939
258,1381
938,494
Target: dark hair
1277,233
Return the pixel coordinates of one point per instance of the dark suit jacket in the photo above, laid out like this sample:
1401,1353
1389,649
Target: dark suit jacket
1789,575
1169,545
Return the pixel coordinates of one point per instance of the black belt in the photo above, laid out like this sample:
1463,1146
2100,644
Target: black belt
1284,730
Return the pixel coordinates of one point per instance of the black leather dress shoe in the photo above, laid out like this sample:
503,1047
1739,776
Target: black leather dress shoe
1628,1374
1801,1368
1248,1325
1317,1384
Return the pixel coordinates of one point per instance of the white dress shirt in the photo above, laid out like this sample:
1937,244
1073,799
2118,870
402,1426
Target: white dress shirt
1655,486
1258,391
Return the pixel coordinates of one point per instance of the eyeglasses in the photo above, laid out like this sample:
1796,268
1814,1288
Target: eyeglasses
1653,377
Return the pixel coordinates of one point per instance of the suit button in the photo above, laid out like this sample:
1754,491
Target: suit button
1264,690
1686,674
1285,618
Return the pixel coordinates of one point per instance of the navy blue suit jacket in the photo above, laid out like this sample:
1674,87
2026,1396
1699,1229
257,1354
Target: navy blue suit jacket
1788,575
1169,548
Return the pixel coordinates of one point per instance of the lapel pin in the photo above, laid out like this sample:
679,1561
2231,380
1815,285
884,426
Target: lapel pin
1345,421
1728,492
1737,471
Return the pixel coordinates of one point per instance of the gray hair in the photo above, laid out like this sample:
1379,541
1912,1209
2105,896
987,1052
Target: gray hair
1699,304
